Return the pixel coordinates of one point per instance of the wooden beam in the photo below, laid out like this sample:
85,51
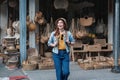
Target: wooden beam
22,30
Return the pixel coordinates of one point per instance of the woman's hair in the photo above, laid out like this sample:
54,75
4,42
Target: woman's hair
57,29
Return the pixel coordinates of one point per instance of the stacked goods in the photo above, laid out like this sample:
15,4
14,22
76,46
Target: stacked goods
110,61
32,59
35,61
101,62
12,62
33,55
46,63
9,43
96,63
85,64
12,55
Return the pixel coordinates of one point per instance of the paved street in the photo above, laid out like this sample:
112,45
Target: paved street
76,74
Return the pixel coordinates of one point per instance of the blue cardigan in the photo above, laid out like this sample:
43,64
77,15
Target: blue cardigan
52,39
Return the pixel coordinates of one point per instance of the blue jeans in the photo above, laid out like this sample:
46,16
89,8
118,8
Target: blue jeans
61,63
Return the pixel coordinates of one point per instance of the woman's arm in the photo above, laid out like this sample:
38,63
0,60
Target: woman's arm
70,41
51,40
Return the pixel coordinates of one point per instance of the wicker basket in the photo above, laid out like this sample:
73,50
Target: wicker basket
46,63
86,21
32,27
34,59
44,39
41,21
29,66
44,66
48,54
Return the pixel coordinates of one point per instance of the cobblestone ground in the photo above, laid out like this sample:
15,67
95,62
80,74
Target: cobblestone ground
76,74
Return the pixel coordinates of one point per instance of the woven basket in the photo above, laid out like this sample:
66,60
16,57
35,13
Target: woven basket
41,21
81,34
44,39
86,21
45,66
32,26
39,14
33,59
48,54
29,66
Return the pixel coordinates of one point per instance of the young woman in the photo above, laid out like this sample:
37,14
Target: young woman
61,40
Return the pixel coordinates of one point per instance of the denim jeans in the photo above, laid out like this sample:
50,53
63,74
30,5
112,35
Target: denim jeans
61,63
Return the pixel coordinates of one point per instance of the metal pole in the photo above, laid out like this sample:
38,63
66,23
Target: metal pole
116,41
22,30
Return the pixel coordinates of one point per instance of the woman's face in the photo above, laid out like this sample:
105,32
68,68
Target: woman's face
60,24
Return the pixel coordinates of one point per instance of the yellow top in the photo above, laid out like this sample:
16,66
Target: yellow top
61,43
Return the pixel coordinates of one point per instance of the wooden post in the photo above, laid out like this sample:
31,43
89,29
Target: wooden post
32,14
22,30
116,37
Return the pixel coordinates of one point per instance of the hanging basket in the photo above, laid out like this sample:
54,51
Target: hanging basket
44,39
81,34
32,27
42,21
39,14
86,21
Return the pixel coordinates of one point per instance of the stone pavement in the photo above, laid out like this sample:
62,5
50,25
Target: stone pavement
76,73
6,74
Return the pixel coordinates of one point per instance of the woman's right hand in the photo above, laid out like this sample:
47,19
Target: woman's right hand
54,44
